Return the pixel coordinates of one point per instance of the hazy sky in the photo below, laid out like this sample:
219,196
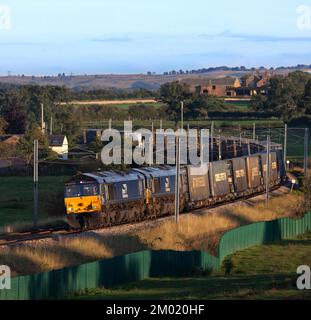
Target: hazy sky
128,36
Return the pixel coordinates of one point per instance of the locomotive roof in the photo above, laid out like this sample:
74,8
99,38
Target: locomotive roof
157,172
114,176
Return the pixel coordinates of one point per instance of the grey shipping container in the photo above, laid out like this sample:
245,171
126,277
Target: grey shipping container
199,188
239,174
219,178
274,175
253,172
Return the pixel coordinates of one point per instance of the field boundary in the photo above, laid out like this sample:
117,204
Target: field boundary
145,264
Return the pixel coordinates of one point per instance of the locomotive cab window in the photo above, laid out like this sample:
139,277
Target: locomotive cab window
90,190
73,191
82,190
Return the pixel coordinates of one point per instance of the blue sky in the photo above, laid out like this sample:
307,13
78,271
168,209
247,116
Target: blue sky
133,36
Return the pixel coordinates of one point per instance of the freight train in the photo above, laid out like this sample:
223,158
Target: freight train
108,198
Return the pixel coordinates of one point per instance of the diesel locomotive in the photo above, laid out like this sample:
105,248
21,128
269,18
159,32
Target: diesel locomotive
108,198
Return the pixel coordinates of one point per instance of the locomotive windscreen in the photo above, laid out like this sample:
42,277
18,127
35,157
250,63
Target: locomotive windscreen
82,190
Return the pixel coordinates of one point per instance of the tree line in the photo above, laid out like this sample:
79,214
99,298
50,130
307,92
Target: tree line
289,96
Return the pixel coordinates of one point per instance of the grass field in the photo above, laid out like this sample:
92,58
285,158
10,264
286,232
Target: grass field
239,106
16,198
123,105
265,272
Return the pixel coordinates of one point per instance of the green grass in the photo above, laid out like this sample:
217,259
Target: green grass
264,272
238,106
16,197
123,106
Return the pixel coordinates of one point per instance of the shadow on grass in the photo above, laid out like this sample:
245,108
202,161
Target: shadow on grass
198,288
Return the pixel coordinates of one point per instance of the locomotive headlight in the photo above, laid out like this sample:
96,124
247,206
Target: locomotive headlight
70,209
94,207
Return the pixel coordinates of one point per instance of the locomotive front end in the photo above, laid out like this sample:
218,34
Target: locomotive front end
82,197
83,200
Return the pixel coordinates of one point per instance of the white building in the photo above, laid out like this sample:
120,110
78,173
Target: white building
59,144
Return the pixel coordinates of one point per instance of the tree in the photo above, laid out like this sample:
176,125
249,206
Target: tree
6,150
172,94
25,146
3,126
258,102
307,98
16,119
198,108
285,96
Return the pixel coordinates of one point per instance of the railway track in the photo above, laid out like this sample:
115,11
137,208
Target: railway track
45,233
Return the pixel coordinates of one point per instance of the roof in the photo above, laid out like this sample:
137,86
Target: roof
114,176
56,140
205,82
157,172
10,139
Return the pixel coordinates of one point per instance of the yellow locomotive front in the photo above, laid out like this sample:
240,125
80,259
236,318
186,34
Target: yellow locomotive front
82,195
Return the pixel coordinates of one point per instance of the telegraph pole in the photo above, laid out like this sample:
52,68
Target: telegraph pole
254,131
51,125
268,171
306,152
35,182
212,141
219,148
285,144
249,148
182,114
151,147
177,178
42,118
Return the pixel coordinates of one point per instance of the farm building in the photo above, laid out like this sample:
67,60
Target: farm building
59,144
220,87
253,85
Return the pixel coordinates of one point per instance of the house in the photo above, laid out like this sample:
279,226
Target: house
253,84
219,87
59,144
11,140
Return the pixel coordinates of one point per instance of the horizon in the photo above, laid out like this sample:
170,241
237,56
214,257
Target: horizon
134,37
248,69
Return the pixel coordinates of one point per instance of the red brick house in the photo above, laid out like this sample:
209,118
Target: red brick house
219,87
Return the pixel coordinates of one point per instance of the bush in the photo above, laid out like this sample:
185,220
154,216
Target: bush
228,265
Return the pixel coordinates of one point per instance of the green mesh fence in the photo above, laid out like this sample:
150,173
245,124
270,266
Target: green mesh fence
145,264
262,233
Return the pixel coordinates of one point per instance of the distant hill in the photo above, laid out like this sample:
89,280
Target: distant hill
128,81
